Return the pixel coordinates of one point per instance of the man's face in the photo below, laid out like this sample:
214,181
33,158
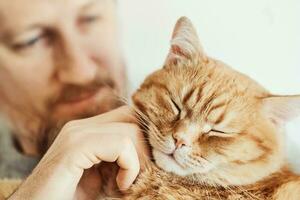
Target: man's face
59,60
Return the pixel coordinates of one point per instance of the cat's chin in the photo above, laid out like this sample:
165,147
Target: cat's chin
169,164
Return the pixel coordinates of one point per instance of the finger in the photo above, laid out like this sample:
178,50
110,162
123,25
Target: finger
128,162
121,114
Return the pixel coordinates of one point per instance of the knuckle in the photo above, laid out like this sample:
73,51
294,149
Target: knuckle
127,147
127,143
67,127
70,132
71,124
68,140
134,128
125,108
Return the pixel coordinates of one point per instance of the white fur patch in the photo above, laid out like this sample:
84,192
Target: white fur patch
193,128
168,163
206,128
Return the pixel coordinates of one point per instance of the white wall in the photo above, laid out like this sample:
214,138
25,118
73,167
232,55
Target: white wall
259,37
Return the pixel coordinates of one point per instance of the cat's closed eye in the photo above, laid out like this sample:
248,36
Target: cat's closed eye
176,109
219,133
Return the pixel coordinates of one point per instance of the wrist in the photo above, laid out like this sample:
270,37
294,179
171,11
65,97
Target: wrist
49,175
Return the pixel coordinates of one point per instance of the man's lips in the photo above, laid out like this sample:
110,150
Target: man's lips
80,97
78,104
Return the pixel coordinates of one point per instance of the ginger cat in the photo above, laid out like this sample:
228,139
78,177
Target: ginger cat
214,132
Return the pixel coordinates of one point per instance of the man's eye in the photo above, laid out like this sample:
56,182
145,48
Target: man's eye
89,19
28,43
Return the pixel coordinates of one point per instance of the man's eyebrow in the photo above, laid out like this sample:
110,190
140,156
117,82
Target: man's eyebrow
33,26
30,27
89,4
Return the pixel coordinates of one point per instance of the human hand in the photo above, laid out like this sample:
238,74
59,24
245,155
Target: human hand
81,144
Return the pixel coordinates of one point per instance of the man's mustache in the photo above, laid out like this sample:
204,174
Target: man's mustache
70,92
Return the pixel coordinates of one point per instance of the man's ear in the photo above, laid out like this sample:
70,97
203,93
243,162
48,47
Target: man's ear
185,42
281,109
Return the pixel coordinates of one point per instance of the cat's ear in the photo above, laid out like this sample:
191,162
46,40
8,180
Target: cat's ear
185,42
281,109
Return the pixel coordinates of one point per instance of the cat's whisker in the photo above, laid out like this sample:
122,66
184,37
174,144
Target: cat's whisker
241,191
139,117
222,186
216,189
189,162
158,141
207,191
249,194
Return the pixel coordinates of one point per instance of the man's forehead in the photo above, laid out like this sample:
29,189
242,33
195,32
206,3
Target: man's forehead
16,15
27,4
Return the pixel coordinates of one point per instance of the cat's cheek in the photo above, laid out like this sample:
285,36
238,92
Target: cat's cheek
193,166
167,145
167,163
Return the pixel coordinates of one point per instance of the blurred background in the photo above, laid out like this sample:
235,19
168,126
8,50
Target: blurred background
260,38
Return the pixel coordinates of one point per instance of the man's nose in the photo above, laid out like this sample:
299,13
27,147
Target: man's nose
74,64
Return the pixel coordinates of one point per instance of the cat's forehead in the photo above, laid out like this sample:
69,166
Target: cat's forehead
213,76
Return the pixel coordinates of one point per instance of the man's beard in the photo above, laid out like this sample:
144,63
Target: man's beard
43,127
69,93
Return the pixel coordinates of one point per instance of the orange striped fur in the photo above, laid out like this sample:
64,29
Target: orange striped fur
215,133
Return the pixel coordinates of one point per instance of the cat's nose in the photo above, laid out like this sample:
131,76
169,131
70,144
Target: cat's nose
180,141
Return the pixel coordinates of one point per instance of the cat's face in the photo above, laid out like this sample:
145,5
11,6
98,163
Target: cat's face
204,117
